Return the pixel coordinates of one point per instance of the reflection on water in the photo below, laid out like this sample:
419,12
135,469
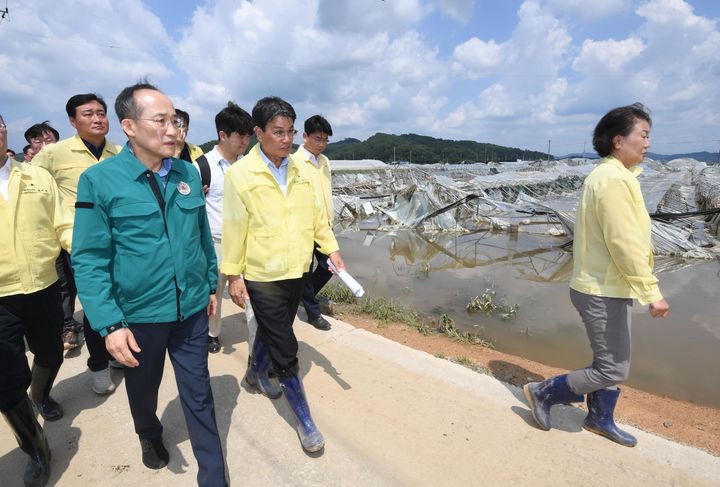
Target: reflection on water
440,273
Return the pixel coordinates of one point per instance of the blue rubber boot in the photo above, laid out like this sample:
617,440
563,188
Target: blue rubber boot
542,395
601,406
310,438
258,370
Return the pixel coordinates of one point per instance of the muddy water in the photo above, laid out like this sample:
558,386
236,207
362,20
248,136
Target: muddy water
678,357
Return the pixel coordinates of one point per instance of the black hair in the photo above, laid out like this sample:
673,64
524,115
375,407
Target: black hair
618,121
231,119
317,123
12,152
184,116
270,107
39,129
81,99
26,149
125,106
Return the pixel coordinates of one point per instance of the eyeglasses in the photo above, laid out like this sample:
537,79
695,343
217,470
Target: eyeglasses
281,134
2,125
164,123
319,140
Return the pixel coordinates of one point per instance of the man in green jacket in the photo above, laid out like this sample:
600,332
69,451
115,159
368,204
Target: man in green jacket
146,273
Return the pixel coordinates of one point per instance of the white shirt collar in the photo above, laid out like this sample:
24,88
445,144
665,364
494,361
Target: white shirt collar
311,157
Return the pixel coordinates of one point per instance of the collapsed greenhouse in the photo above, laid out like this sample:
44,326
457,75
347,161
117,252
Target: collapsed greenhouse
682,197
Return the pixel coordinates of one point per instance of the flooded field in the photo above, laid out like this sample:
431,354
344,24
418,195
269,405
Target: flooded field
678,357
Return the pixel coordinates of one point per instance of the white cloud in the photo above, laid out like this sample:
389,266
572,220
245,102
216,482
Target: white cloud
597,57
48,58
478,55
588,10
369,78
457,9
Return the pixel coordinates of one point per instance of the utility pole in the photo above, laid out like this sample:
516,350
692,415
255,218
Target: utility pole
549,141
584,142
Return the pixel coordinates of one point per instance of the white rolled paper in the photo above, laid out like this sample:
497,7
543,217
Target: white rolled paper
348,280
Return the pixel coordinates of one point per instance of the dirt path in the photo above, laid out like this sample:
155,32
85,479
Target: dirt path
681,421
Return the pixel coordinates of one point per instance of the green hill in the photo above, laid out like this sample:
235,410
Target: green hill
420,149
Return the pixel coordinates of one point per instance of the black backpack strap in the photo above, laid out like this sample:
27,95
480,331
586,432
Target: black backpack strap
205,173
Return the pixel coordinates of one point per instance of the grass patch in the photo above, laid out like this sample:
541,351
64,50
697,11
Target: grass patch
338,293
447,327
390,310
387,310
465,362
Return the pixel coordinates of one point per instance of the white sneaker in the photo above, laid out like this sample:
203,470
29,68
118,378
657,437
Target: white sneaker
102,383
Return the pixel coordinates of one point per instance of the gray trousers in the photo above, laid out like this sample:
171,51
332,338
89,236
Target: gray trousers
607,322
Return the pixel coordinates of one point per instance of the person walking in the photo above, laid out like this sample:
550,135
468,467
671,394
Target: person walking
612,266
146,273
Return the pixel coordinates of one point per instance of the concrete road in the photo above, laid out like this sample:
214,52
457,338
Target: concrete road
390,415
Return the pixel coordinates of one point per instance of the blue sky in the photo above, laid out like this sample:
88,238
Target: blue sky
508,72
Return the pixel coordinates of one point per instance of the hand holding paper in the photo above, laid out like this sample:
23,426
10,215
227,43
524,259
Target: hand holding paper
348,280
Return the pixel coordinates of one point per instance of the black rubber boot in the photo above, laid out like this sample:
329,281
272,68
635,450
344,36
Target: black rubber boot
42,381
310,437
31,438
257,374
600,419
543,395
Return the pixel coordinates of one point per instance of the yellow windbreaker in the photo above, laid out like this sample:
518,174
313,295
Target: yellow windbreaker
268,236
612,251
195,151
66,161
33,227
322,180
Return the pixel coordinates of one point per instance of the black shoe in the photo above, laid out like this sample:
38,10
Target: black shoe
154,454
40,385
49,409
70,338
320,323
213,344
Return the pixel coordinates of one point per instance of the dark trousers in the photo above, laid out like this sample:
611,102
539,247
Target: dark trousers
275,305
318,278
66,287
98,355
38,318
186,342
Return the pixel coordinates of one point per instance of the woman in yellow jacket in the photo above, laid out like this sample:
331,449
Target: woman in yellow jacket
271,220
612,265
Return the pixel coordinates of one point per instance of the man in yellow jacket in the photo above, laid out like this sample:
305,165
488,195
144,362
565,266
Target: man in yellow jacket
271,220
33,227
309,154
185,150
65,161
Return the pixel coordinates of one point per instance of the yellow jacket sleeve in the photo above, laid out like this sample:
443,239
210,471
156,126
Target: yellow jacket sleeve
235,229
619,216
62,219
